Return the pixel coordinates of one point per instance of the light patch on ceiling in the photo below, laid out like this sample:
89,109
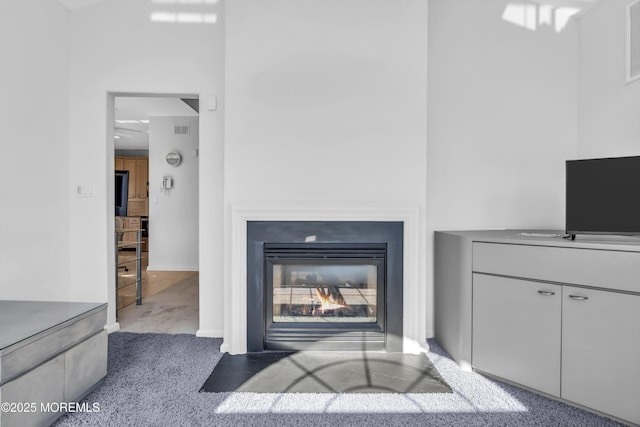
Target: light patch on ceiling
185,1
523,15
184,12
184,17
78,4
539,14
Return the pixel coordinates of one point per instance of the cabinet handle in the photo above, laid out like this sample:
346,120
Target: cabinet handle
578,297
546,293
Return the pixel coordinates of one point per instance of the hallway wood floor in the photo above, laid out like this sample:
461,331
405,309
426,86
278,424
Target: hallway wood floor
169,301
152,281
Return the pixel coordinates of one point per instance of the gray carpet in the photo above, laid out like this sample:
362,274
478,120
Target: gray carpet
154,380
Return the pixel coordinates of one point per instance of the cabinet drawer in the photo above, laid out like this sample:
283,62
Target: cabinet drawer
85,364
41,385
590,267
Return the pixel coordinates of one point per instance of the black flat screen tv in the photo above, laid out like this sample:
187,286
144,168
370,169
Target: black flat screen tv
122,192
602,196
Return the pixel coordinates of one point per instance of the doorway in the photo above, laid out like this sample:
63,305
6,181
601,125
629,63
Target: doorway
156,143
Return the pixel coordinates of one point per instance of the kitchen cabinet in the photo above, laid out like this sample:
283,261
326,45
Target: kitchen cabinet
132,224
138,167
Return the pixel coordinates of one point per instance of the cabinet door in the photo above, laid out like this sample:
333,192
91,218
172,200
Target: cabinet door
601,351
131,223
126,237
138,207
516,331
130,165
142,177
118,164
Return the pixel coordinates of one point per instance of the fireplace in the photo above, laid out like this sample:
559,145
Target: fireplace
327,294
324,285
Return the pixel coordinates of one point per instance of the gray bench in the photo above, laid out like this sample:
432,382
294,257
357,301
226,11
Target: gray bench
51,354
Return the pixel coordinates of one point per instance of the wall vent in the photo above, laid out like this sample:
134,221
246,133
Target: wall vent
181,130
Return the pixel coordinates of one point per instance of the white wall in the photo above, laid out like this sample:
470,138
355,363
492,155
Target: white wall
326,108
326,100
502,118
609,109
117,48
34,114
173,213
316,83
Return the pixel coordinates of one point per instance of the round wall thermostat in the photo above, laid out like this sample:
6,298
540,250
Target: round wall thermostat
174,158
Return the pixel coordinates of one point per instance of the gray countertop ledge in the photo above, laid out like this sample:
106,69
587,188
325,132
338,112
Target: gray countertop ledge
551,238
24,321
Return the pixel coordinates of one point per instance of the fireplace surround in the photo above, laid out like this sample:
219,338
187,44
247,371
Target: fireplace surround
416,301
324,285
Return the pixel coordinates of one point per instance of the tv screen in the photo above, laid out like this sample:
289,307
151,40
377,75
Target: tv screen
121,192
602,196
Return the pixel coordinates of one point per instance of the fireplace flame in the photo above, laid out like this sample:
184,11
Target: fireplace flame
330,299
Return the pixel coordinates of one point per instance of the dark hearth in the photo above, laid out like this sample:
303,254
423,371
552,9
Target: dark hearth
316,372
340,291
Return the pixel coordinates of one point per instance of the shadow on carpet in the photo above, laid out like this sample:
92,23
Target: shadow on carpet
325,372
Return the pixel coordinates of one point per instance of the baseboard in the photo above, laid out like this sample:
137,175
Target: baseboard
170,268
210,333
113,327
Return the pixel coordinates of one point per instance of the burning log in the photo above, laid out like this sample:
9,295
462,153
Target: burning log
330,299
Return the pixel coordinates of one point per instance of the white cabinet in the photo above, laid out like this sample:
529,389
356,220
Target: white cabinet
601,351
561,317
516,324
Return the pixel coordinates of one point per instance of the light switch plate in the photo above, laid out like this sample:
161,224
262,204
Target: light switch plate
85,190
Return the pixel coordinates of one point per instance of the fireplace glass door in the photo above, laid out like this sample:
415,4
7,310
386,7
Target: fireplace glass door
324,294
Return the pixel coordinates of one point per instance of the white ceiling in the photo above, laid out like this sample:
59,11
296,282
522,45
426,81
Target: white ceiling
581,4
77,4
135,136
